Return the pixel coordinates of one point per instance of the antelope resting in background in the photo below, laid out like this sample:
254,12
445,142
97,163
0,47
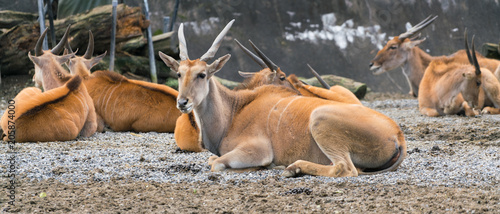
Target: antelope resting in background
334,93
272,125
450,86
124,104
403,51
272,74
58,114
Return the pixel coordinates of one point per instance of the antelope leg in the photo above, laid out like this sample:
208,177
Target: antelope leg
254,152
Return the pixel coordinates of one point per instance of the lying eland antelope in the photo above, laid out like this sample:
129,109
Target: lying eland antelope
59,114
272,125
450,86
124,104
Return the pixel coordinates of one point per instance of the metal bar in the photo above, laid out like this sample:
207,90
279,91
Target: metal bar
113,37
51,24
152,63
166,22
174,16
41,19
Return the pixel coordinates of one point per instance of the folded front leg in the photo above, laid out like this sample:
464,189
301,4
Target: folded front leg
254,152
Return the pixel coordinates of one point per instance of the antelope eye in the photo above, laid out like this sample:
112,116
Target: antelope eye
282,78
393,47
478,83
201,75
178,74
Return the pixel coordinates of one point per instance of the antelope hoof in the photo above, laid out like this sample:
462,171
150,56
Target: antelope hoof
211,159
472,112
486,110
217,167
291,171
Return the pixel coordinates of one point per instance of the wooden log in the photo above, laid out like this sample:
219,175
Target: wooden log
137,65
359,89
138,46
9,19
491,50
17,41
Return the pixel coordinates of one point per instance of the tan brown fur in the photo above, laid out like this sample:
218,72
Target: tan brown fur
449,86
59,114
132,105
335,93
124,104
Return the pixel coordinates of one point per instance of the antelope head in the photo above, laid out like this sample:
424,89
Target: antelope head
194,76
86,62
270,74
472,76
396,52
48,60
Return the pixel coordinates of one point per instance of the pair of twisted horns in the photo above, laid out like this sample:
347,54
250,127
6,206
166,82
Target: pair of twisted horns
472,57
90,47
262,59
417,28
183,53
57,49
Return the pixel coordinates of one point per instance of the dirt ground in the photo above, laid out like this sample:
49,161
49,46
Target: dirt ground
275,194
267,196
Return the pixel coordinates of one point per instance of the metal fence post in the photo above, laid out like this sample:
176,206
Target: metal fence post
113,37
41,18
152,63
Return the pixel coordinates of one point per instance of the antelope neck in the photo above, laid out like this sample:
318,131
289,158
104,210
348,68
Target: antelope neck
215,113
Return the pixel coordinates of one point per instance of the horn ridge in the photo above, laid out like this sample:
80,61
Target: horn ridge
38,46
469,57
254,57
321,80
217,42
264,58
60,46
418,27
474,58
183,52
90,47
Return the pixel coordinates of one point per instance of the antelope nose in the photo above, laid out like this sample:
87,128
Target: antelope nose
371,64
182,102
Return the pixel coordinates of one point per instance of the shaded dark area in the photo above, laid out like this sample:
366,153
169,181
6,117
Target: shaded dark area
346,33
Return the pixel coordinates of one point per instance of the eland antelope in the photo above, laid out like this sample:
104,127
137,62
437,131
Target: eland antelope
273,125
124,104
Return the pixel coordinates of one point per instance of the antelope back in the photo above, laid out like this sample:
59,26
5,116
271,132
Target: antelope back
55,115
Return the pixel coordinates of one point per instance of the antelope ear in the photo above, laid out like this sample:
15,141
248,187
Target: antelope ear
217,65
64,58
169,61
36,60
95,60
246,74
412,43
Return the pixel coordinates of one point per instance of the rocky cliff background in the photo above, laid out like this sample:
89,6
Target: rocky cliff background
334,37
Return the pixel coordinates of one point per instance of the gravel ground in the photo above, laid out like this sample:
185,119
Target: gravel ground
453,165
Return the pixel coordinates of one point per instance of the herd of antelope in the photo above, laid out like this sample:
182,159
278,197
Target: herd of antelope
270,120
